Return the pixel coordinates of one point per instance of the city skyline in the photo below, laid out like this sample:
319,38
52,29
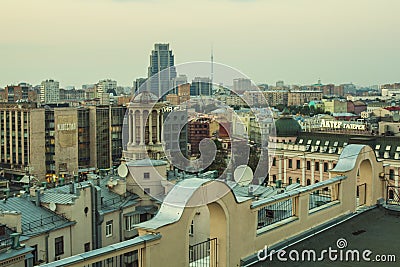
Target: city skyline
79,42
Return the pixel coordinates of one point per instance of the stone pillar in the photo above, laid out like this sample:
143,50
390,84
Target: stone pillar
130,128
312,171
158,127
161,127
303,171
151,127
279,167
284,170
133,121
141,132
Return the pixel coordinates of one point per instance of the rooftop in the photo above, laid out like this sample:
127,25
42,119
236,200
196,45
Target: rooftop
359,233
34,219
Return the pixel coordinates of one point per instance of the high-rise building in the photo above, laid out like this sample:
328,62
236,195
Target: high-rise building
201,86
161,58
50,91
106,86
59,140
241,85
137,83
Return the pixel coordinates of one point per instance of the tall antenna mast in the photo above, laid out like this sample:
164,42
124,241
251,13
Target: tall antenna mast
212,67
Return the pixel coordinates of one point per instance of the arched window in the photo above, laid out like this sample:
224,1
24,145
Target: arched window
308,182
316,181
298,180
290,180
274,178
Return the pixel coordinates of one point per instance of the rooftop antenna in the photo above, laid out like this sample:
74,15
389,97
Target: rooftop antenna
212,66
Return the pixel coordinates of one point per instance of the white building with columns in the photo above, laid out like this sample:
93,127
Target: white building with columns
145,124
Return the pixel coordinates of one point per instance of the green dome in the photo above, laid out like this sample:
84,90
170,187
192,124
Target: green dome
287,127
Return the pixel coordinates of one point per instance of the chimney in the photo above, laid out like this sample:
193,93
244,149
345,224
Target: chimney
15,241
37,197
72,188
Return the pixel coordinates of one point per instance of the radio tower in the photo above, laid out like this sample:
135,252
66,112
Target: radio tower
212,69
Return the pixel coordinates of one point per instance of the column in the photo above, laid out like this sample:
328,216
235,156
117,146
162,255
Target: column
129,128
284,170
133,122
312,171
150,127
141,132
161,127
22,137
321,170
303,172
158,127
279,167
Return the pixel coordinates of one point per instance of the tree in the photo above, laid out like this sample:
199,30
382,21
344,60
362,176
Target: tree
219,163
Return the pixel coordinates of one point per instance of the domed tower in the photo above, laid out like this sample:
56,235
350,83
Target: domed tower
287,129
145,123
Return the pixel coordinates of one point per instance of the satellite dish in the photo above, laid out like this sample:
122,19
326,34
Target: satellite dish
52,206
122,170
396,117
243,175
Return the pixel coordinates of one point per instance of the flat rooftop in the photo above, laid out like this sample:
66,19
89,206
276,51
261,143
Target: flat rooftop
375,230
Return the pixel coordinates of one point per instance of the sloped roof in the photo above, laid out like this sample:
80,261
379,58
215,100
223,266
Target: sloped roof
34,219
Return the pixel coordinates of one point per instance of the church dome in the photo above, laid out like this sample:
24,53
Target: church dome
286,126
144,97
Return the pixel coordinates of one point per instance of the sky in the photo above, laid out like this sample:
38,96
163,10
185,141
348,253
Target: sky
299,41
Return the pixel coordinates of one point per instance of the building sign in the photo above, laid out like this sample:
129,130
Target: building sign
66,126
346,125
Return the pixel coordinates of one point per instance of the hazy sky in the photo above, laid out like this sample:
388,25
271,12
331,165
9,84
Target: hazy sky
82,41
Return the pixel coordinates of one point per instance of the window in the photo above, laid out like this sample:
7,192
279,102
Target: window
131,220
316,166
290,180
325,166
273,161
290,163
298,180
109,228
59,246
191,229
298,164
391,174
146,175
87,247
274,178
35,255
308,165
308,182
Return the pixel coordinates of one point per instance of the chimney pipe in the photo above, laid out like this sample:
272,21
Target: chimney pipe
15,241
37,197
72,188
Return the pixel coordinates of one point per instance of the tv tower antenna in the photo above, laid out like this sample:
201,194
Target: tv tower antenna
212,66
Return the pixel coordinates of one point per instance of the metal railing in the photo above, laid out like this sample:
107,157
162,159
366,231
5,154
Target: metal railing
393,195
203,254
274,213
43,221
319,198
5,243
